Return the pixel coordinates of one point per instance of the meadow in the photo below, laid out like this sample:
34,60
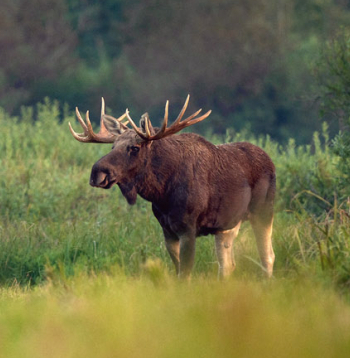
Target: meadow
84,274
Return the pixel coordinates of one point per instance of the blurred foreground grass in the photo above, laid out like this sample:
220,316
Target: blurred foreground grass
157,316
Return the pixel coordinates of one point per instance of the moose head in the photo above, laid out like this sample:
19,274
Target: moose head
130,145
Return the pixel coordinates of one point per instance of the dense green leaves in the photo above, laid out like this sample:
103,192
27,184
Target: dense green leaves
53,223
248,61
333,73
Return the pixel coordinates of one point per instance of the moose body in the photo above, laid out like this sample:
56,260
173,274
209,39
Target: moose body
196,188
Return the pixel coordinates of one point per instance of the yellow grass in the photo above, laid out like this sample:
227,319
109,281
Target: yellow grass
157,316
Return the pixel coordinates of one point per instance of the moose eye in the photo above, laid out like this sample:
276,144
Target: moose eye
134,149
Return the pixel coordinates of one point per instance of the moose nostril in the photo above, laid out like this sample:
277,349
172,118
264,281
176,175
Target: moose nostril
98,179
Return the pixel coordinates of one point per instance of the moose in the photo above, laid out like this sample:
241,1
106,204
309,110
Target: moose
196,188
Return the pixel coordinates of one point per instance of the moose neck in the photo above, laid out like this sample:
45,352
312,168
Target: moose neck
160,167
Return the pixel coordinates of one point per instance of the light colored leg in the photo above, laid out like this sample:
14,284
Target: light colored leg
224,251
263,235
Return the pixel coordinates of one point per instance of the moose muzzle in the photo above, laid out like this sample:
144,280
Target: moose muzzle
101,178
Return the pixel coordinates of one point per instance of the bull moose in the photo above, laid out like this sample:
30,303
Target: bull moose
196,188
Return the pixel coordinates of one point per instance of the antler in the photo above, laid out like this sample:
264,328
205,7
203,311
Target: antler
165,131
103,136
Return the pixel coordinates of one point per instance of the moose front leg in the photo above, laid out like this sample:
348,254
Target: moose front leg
173,246
181,252
187,253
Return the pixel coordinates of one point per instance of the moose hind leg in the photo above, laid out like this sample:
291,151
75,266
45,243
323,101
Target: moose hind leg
263,234
261,219
224,251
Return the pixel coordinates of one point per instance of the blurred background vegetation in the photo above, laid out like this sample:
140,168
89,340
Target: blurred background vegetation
254,63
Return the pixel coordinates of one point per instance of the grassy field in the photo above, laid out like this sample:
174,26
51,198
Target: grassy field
156,316
84,274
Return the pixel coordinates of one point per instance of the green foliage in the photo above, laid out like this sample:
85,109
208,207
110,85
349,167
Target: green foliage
333,72
53,224
341,147
249,63
37,48
99,33
308,168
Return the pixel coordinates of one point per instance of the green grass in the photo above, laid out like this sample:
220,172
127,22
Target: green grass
52,218
84,274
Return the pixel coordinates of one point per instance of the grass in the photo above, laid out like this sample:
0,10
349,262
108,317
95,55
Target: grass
51,218
84,274
156,316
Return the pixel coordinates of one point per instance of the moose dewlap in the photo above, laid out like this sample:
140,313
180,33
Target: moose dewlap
196,188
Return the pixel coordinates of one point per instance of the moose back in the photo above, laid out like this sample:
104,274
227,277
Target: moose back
196,188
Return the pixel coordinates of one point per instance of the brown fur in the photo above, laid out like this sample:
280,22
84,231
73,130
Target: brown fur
196,188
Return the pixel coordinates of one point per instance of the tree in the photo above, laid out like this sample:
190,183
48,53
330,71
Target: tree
37,47
333,74
220,50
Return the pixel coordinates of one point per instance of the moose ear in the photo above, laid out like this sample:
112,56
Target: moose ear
145,124
112,125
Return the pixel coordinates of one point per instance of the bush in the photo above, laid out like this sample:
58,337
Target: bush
333,73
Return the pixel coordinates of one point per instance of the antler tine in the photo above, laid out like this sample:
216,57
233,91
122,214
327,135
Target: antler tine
103,136
88,123
119,120
163,128
102,106
188,119
81,137
179,124
179,117
81,121
77,136
148,132
135,128
174,128
103,128
191,121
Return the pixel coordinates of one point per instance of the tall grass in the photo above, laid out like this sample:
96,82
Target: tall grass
52,221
